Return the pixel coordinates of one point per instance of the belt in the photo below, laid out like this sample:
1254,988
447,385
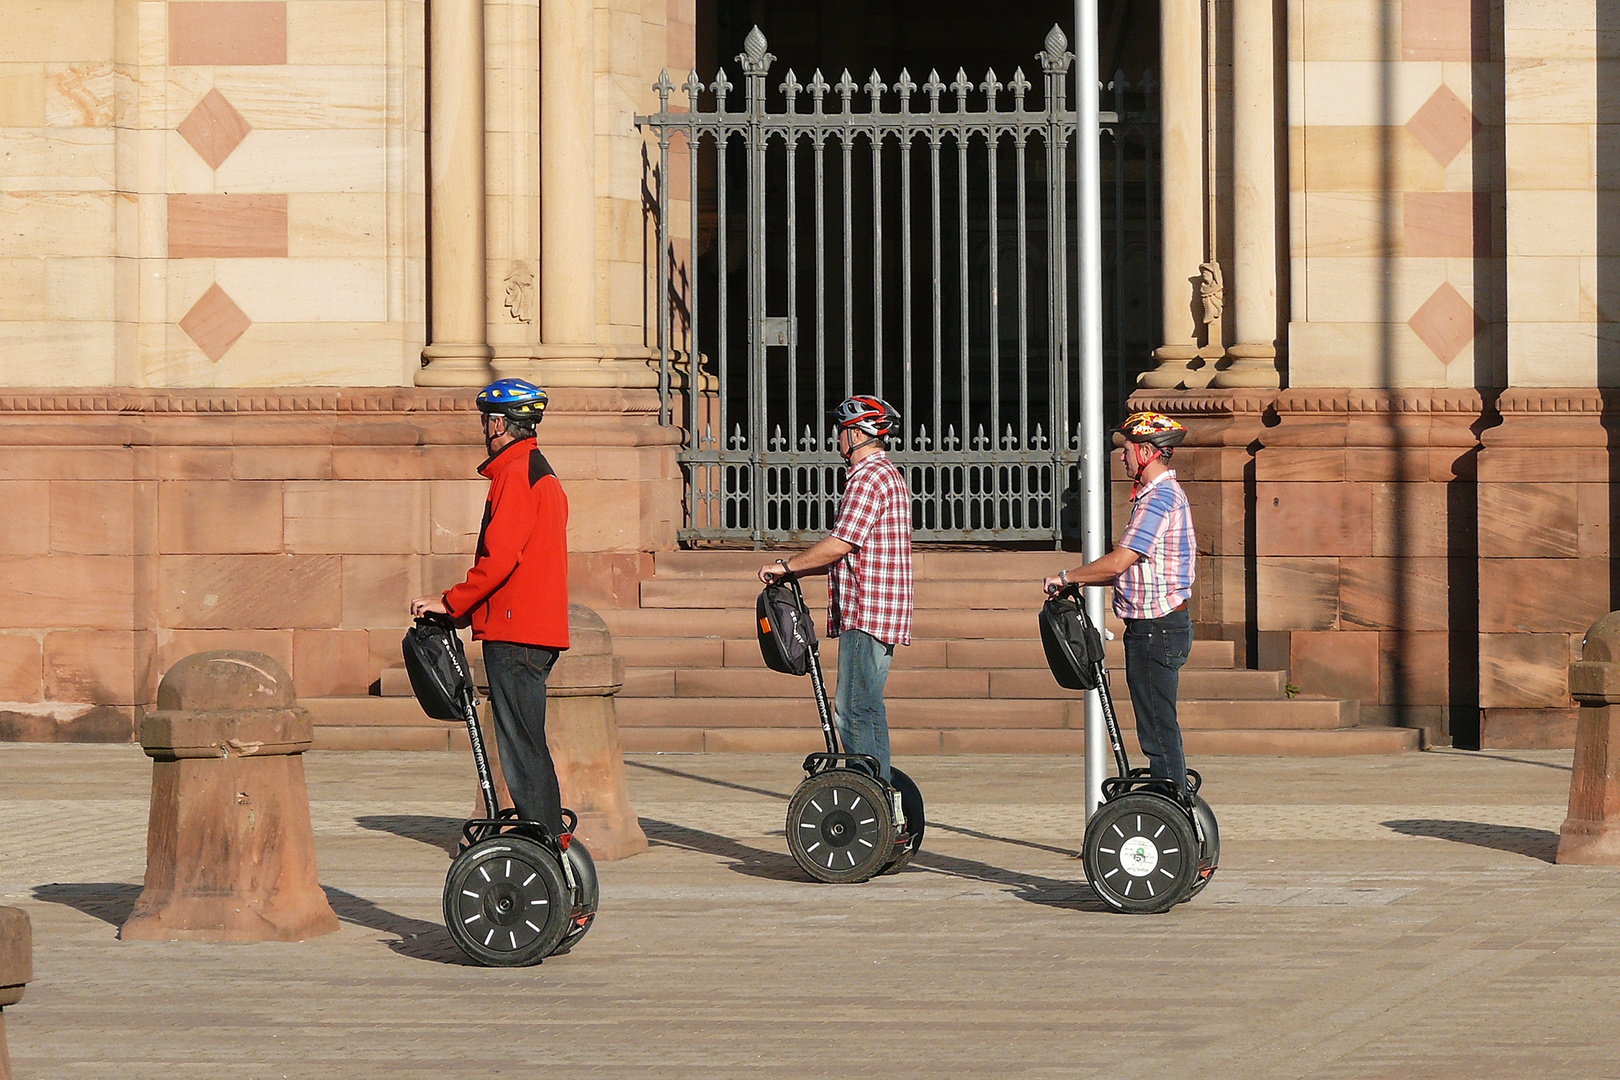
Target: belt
1179,607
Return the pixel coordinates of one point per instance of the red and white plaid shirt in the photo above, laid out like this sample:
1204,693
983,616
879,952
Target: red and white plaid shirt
870,588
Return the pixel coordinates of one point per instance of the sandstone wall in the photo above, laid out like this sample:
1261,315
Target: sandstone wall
148,526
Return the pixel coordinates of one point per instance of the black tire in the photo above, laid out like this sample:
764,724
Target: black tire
911,802
586,894
491,897
1140,854
1209,858
839,827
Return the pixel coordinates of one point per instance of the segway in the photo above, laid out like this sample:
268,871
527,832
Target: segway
515,894
844,824
1149,846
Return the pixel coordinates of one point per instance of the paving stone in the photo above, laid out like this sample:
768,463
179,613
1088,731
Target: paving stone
1373,917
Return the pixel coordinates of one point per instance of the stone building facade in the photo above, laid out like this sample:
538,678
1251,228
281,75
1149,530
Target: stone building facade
255,253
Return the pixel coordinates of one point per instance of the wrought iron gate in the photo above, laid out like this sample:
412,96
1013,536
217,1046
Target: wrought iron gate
935,272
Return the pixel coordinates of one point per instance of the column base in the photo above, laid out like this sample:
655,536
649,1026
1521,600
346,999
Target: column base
1176,367
614,366
1247,367
460,364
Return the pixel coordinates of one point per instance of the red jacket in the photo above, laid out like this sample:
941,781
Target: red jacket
517,589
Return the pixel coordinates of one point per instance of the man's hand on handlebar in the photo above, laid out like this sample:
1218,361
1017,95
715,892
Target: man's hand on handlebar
773,570
423,605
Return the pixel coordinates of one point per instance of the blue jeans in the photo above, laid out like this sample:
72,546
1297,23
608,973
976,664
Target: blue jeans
858,712
1155,650
517,696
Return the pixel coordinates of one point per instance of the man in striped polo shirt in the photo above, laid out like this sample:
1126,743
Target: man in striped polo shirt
1152,572
868,559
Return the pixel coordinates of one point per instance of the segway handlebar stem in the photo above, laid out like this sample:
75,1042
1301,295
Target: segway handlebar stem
1110,719
817,679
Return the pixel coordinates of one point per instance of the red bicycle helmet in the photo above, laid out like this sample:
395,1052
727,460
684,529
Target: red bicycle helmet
871,415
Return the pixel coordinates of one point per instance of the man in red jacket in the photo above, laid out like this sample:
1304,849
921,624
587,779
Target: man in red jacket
515,597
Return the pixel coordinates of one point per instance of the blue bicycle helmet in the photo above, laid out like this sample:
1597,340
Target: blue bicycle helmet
516,399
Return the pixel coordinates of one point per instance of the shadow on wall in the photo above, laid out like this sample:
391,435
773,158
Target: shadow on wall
1607,284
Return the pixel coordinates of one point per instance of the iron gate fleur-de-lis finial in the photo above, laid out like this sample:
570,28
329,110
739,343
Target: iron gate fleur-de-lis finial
961,85
991,87
875,88
905,88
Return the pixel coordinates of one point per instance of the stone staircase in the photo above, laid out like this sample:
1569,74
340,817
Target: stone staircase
974,682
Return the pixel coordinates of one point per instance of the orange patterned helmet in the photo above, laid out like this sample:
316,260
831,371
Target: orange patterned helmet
1153,428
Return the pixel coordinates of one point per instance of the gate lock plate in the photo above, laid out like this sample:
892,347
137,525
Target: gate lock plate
778,330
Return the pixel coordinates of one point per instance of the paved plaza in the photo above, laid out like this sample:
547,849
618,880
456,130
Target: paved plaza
1372,917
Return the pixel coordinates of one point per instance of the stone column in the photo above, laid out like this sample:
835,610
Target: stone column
568,262
1181,110
230,851
1251,361
16,968
1591,832
458,353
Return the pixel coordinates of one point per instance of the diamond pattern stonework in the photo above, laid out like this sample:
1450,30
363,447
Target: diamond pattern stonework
215,322
214,128
1445,323
1443,126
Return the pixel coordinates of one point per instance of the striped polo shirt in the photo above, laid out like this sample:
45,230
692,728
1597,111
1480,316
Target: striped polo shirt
1161,532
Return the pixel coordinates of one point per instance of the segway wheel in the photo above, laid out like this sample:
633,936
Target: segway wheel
1209,857
839,827
505,901
911,801
1140,854
586,893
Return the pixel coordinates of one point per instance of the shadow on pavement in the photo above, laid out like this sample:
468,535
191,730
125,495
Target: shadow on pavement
416,938
667,771
109,901
1051,892
752,861
1475,755
756,862
782,797
434,830
1515,839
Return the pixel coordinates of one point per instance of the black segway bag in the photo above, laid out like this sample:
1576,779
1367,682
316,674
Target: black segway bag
437,665
1074,648
786,632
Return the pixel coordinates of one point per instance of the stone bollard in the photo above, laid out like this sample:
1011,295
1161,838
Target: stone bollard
230,852
16,968
582,730
1591,832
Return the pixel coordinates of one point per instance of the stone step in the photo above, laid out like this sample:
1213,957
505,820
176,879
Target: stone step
730,622
1010,714
740,593
949,683
1024,566
704,652
1331,742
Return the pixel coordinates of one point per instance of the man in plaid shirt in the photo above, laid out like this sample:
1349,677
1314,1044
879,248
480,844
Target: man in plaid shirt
868,559
1152,572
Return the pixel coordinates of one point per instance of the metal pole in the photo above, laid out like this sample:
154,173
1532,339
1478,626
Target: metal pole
1093,450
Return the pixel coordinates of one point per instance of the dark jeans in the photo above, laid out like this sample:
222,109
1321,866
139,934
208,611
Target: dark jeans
1155,650
858,709
517,696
